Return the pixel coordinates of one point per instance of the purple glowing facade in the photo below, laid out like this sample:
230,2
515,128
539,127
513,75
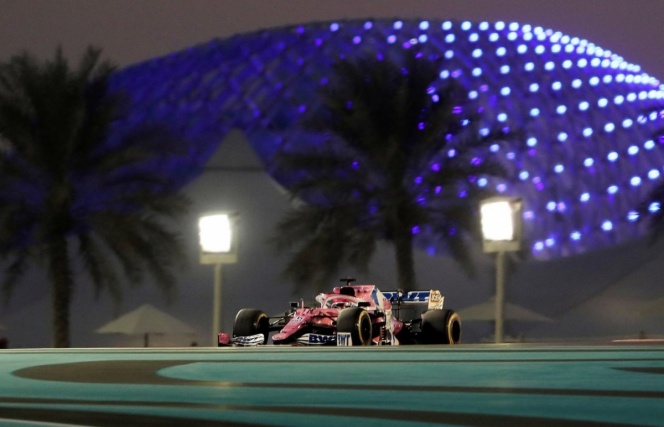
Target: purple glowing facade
590,119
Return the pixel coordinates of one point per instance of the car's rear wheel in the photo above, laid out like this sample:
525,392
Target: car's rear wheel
357,322
249,321
441,327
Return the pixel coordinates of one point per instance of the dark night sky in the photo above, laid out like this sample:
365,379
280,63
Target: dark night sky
134,30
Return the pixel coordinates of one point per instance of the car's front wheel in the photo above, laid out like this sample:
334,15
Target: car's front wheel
249,321
441,327
357,322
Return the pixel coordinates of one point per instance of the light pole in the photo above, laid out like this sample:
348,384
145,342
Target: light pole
502,231
218,245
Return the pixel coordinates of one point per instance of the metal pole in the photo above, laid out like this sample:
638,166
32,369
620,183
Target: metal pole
500,295
216,313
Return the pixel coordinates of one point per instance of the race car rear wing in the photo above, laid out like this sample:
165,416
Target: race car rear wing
433,298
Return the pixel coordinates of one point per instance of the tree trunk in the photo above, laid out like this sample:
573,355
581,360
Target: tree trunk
403,249
61,279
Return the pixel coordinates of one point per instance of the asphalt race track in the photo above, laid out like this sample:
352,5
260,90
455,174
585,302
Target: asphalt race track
469,385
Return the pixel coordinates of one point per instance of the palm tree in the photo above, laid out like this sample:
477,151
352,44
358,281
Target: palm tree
394,155
70,180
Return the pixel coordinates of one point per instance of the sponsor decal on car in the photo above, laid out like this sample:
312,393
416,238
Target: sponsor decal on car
249,340
317,339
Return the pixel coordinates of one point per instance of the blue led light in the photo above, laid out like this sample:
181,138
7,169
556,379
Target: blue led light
534,112
635,181
561,109
502,117
531,142
603,102
632,216
653,174
654,207
477,53
584,197
556,86
575,235
551,206
587,132
450,38
447,25
594,81
501,51
583,105
588,162
477,71
505,91
613,189
607,225
612,156
534,87
466,25
562,136
633,150
559,168
529,66
482,182
577,83
334,27
649,145
523,175
609,127
627,123
504,69
424,25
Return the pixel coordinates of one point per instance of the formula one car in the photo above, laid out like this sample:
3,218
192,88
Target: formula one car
358,315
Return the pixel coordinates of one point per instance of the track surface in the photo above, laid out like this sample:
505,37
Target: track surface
484,385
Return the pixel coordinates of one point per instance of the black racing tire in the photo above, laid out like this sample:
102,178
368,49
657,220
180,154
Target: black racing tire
250,321
441,327
357,322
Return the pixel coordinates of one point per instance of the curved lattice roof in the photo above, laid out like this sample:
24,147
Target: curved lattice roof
588,158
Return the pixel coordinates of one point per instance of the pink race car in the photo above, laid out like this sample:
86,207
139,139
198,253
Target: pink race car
351,315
